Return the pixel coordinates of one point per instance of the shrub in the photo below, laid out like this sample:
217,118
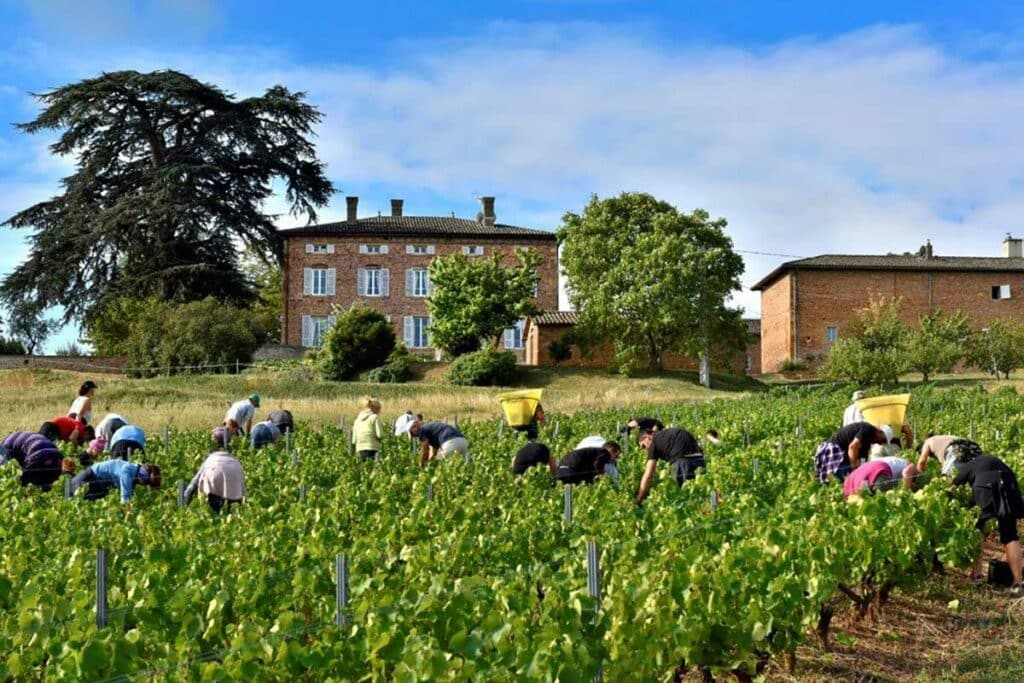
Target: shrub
793,365
398,368
197,336
11,347
487,367
361,338
560,350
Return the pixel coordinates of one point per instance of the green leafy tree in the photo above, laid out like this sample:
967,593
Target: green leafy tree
873,350
652,279
473,300
109,329
361,338
171,173
267,278
938,344
27,324
998,348
198,336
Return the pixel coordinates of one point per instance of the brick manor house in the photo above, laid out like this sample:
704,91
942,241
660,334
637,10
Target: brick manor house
807,304
381,262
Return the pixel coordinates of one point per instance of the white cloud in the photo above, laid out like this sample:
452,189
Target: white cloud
868,142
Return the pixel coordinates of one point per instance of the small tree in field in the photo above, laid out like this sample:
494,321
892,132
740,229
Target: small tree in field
938,344
999,348
874,348
361,338
473,300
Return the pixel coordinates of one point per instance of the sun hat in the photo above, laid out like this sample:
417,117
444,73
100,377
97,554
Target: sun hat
255,399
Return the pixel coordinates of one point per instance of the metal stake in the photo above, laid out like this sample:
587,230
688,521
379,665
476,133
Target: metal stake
341,593
714,499
568,503
181,493
288,440
101,588
295,458
594,588
167,440
757,466
554,432
302,493
67,487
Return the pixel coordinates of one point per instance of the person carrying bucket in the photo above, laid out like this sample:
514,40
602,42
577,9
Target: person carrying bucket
523,411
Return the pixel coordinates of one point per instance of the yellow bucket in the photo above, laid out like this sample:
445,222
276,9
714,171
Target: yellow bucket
519,406
885,410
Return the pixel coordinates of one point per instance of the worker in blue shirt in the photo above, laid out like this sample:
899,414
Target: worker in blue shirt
122,474
126,440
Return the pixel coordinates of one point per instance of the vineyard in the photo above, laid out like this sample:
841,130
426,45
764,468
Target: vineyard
463,572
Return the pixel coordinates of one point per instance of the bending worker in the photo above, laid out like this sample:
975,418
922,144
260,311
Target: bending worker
842,453
38,457
583,465
675,446
437,440
238,419
122,474
221,478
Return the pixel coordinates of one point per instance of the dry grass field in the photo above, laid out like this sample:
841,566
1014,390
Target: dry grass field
194,401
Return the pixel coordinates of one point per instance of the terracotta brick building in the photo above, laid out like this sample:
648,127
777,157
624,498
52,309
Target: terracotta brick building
543,329
382,261
806,304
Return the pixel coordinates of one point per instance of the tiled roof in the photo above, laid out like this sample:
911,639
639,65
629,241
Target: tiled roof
557,318
425,226
894,262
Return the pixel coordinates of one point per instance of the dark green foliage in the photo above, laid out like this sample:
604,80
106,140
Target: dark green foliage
486,367
11,347
560,350
397,369
361,338
170,174
199,336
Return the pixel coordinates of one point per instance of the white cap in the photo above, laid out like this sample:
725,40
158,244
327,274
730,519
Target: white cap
887,430
857,395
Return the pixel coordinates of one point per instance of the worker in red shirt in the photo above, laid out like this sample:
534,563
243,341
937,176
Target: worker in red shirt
67,429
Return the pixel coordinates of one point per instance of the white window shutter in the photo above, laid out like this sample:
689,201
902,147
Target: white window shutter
330,248
363,249
430,249
384,249
332,276
465,251
361,282
307,280
409,275
407,328
480,251
309,248
409,249
385,284
509,338
307,331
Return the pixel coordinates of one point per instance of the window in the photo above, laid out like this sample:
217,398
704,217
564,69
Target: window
514,336
474,250
420,249
373,248
415,332
417,282
1001,292
831,334
373,281
319,281
314,327
319,248
747,363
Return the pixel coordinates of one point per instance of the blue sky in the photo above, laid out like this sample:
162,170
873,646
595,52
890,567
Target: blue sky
812,127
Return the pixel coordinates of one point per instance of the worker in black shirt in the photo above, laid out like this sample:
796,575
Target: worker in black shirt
996,492
641,424
675,446
583,465
530,455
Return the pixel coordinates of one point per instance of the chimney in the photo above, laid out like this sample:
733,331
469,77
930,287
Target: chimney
928,253
353,205
1012,247
488,213
396,207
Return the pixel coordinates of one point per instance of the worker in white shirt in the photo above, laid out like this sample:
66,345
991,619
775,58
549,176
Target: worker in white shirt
852,413
238,419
